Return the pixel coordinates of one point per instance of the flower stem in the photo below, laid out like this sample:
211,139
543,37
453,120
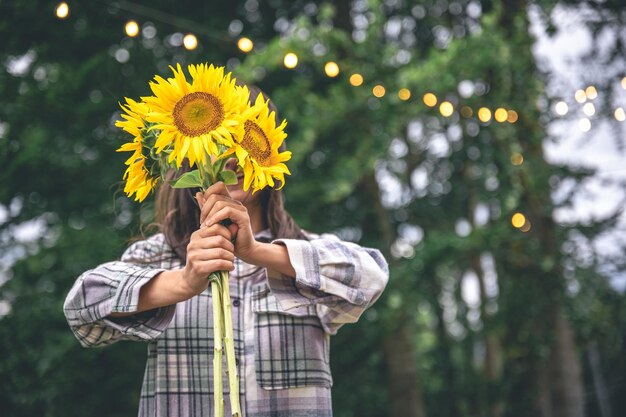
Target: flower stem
218,394
233,377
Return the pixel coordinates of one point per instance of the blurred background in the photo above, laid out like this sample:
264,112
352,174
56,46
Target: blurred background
478,144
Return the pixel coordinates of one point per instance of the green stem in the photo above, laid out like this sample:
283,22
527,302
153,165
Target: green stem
217,341
233,377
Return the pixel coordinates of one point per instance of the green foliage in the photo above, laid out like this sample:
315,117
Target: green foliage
188,180
388,173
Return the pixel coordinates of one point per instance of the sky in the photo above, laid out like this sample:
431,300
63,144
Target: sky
599,147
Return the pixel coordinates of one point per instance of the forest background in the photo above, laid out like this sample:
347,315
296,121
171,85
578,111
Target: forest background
417,127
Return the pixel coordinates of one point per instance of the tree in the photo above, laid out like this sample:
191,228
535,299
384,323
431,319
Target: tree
477,318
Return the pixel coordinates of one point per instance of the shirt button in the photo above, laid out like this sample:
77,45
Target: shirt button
236,303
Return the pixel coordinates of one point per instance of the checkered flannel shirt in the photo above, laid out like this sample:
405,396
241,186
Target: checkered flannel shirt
281,325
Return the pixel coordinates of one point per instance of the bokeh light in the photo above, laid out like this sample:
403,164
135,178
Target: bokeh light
526,226
245,44
404,94
619,114
131,28
584,124
580,96
446,109
518,220
466,111
331,69
190,41
63,10
561,108
512,116
517,158
378,91
589,109
484,114
356,79
501,115
430,99
591,92
290,60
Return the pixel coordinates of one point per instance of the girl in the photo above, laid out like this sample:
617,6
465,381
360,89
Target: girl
290,291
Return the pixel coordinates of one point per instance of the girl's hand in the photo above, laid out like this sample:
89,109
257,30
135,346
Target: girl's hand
217,206
209,250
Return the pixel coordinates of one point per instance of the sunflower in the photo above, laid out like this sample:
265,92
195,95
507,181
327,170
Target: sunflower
192,119
137,177
257,150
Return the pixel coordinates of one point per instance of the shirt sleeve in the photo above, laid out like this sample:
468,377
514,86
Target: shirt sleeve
114,287
342,279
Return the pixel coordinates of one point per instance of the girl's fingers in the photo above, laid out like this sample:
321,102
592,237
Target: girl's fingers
210,243
200,198
210,255
238,216
202,269
216,203
213,201
217,188
207,267
205,232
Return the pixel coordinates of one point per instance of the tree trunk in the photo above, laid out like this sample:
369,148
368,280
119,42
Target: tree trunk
567,389
560,383
404,388
602,394
493,345
405,391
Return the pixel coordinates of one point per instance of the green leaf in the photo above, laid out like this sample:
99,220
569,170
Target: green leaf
188,180
229,177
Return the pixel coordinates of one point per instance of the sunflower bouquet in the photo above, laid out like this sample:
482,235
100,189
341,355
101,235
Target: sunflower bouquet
206,121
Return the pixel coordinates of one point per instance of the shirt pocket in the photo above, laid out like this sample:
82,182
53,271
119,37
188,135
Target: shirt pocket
291,347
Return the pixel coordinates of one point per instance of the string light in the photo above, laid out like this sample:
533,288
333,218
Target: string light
190,41
484,114
512,116
580,96
589,109
584,124
561,108
63,10
291,60
591,92
404,94
518,220
331,69
131,28
446,109
526,226
378,91
430,99
356,79
517,158
245,44
466,111
501,115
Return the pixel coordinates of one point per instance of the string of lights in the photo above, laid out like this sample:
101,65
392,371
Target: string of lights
332,69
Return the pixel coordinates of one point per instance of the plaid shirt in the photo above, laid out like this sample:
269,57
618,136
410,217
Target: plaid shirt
281,325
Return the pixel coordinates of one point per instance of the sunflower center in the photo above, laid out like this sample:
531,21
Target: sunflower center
256,143
198,113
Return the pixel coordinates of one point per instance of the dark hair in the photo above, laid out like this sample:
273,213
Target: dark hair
178,215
